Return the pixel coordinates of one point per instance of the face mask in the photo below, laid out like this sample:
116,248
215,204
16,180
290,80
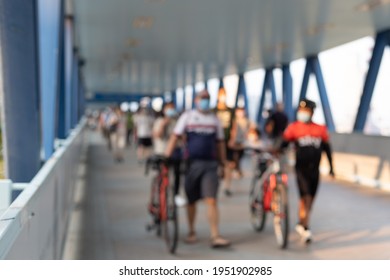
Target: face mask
303,117
170,113
204,104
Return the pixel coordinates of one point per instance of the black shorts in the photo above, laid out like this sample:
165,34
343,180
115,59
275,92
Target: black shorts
201,180
308,179
145,142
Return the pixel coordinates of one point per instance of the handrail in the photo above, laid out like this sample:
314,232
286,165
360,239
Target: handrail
34,226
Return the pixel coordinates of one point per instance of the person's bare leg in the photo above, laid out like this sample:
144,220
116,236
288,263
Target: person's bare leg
305,205
228,177
191,214
213,217
140,152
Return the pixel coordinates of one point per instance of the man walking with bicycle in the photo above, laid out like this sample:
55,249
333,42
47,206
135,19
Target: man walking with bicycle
310,141
205,149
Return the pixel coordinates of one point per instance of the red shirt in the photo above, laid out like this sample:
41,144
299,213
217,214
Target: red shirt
308,139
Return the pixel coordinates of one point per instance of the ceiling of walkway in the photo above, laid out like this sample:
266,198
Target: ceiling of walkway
149,46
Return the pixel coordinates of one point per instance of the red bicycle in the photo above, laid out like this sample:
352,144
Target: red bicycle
269,195
162,205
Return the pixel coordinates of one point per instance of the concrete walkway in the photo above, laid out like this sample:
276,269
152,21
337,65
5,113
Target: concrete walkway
110,215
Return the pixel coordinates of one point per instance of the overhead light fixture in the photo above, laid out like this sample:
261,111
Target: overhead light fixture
143,22
370,5
133,43
315,30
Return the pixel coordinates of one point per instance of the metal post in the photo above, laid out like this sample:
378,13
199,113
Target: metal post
61,126
81,106
20,89
241,91
49,23
271,86
382,39
221,84
287,92
316,67
173,98
305,83
260,119
68,73
193,96
75,88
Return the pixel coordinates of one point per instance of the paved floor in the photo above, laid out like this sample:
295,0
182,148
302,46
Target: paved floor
110,215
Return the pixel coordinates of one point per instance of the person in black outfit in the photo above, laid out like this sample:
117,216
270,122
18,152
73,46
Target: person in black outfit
276,124
310,141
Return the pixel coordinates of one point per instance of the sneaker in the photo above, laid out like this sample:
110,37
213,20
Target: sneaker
300,229
179,201
307,236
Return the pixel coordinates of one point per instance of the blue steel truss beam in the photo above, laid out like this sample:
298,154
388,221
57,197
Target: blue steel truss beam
241,91
119,97
193,96
173,97
61,111
287,92
313,66
316,67
20,89
221,84
49,29
75,90
269,84
68,73
382,39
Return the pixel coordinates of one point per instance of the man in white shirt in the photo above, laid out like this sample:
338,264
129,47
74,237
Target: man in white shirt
143,125
205,150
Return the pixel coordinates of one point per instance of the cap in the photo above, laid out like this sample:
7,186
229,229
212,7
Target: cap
203,94
306,103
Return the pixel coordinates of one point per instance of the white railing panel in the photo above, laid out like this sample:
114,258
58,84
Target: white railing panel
34,226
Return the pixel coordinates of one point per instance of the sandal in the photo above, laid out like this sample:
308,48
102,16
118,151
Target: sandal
191,238
219,242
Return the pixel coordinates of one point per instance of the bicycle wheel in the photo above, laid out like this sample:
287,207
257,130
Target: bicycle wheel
279,207
170,219
154,206
256,205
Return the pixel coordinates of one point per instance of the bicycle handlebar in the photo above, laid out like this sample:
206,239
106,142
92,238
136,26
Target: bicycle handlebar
155,161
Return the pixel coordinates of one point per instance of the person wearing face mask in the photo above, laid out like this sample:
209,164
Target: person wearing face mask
205,150
310,141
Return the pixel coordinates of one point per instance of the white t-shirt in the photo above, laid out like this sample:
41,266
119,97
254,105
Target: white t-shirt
144,124
160,143
202,132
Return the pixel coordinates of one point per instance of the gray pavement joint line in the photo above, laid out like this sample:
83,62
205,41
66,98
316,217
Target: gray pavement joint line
71,246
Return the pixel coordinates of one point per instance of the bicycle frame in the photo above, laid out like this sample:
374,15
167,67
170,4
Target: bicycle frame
272,188
164,212
273,174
